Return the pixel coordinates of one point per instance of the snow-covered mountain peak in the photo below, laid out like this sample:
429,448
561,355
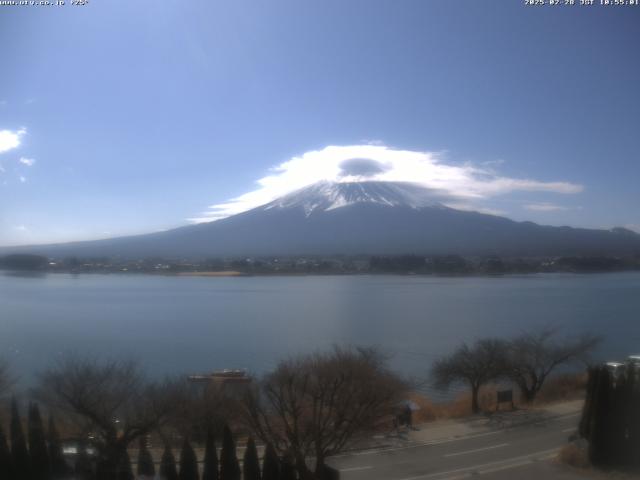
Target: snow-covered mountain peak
325,196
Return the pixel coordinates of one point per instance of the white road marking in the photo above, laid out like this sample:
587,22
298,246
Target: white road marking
418,445
459,477
507,463
355,469
374,451
491,447
505,467
517,464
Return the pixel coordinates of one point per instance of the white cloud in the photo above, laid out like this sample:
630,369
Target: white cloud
476,208
10,139
29,162
21,228
499,161
22,178
545,207
466,183
372,141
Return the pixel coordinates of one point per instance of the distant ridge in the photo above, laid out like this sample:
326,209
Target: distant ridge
352,218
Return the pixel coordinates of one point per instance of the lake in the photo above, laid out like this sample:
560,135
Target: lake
197,324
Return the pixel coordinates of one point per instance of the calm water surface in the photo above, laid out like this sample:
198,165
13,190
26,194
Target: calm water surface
194,324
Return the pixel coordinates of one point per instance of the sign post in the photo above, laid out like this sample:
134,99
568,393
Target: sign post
505,396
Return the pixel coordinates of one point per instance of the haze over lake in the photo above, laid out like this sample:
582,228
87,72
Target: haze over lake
194,324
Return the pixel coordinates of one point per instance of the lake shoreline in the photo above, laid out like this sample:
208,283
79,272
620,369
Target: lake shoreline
238,274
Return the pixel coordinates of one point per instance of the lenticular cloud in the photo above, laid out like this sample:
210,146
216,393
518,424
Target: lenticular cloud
465,183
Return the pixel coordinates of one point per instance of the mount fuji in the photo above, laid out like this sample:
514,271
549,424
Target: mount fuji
369,218
326,196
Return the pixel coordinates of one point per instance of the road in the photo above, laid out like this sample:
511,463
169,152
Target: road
520,452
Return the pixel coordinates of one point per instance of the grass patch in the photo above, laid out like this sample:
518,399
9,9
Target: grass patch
574,456
564,387
559,388
459,407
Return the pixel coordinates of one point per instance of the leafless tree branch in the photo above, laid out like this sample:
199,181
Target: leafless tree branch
315,406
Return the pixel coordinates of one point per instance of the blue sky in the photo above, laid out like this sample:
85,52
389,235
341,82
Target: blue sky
126,117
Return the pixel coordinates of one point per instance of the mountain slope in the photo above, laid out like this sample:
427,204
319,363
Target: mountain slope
325,196
357,218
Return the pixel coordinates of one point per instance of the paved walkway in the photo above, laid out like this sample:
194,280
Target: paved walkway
443,430
521,444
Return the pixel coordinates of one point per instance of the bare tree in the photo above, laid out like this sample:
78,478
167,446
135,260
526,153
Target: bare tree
533,356
475,365
110,400
199,408
315,406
